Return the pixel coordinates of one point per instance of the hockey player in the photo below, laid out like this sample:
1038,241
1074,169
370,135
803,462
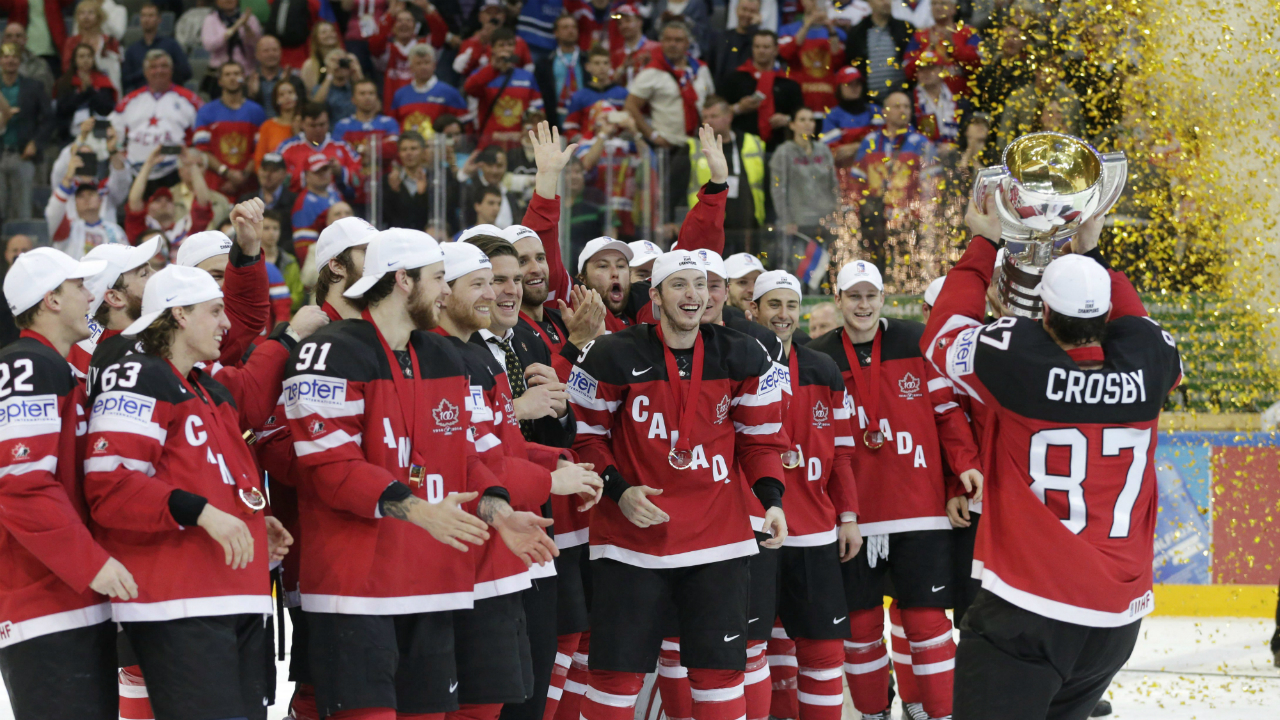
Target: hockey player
1073,396
384,451
117,295
905,414
165,453
633,409
57,641
822,502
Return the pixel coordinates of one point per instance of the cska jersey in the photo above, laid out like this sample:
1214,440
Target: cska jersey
503,101
589,103
310,212
900,484
812,64
351,443
628,422
228,135
412,107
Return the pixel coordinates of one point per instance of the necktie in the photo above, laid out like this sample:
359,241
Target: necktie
515,375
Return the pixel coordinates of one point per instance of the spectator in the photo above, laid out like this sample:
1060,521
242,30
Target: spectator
338,211
105,150
29,126
1022,108
292,22
425,98
614,137
115,22
586,208
954,46
916,13
492,165
695,14
629,51
1098,78
674,86
14,246
957,167
84,91
315,138
158,211
149,23
273,190
813,49
324,40
46,36
823,318
89,228
1008,68
230,33
90,18
262,82
890,163
159,114
475,51
366,128
273,223
536,24
733,48
744,209
851,120
805,191
938,112
400,40
32,66
226,130
277,130
877,47
336,89
408,200
761,94
486,206
598,97
313,203
504,92
561,73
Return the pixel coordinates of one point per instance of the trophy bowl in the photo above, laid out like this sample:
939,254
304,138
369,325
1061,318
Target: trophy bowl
1049,183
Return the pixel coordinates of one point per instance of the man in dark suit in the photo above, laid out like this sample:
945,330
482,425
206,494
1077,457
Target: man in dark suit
876,47
562,72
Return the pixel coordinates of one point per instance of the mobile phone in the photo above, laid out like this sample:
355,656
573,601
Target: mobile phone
345,63
170,149
100,128
89,165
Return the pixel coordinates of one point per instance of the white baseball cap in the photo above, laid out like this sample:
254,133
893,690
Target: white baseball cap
174,286
711,261
858,271
643,251
742,264
599,245
120,259
41,271
346,233
673,262
775,280
1077,286
516,233
462,258
932,292
483,229
391,250
201,246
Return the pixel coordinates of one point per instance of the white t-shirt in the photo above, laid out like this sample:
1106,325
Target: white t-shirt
145,120
666,106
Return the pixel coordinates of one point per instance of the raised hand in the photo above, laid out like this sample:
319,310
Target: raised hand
247,218
713,149
585,319
307,320
546,149
984,222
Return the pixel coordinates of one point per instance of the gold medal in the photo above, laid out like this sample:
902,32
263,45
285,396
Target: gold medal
417,475
792,459
873,439
680,459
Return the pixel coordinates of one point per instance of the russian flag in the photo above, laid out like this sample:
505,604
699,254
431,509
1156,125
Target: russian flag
813,266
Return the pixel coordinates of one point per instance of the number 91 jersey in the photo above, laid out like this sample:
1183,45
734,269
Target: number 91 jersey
1070,498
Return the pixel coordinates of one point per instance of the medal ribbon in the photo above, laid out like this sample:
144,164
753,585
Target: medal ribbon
866,383
791,459
688,404
406,393
244,486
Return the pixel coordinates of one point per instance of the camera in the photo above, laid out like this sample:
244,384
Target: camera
345,63
100,128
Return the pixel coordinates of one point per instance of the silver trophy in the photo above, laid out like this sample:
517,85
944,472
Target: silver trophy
1048,185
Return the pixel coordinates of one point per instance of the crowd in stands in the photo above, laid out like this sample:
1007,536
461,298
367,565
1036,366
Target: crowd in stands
121,119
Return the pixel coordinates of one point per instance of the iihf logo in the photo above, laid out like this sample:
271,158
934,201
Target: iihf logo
862,267
315,428
20,452
722,410
820,415
446,414
909,386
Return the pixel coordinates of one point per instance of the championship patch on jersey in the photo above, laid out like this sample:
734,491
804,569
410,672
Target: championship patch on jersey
582,386
960,355
480,411
773,381
123,405
314,391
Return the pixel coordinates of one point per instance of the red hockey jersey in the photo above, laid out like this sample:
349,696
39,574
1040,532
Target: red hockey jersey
628,420
900,485
152,433
47,555
352,441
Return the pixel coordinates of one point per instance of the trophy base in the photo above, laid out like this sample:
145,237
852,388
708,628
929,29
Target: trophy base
1019,290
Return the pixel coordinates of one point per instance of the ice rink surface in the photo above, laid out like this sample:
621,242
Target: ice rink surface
1182,669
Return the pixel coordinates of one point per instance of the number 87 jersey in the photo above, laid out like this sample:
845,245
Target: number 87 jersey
1070,498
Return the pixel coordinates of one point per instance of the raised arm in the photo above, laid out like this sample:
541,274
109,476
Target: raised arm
703,227
543,214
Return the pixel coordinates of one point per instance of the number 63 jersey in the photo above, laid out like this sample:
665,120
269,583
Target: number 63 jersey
1070,498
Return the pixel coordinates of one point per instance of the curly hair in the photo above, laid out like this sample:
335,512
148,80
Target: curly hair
157,339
